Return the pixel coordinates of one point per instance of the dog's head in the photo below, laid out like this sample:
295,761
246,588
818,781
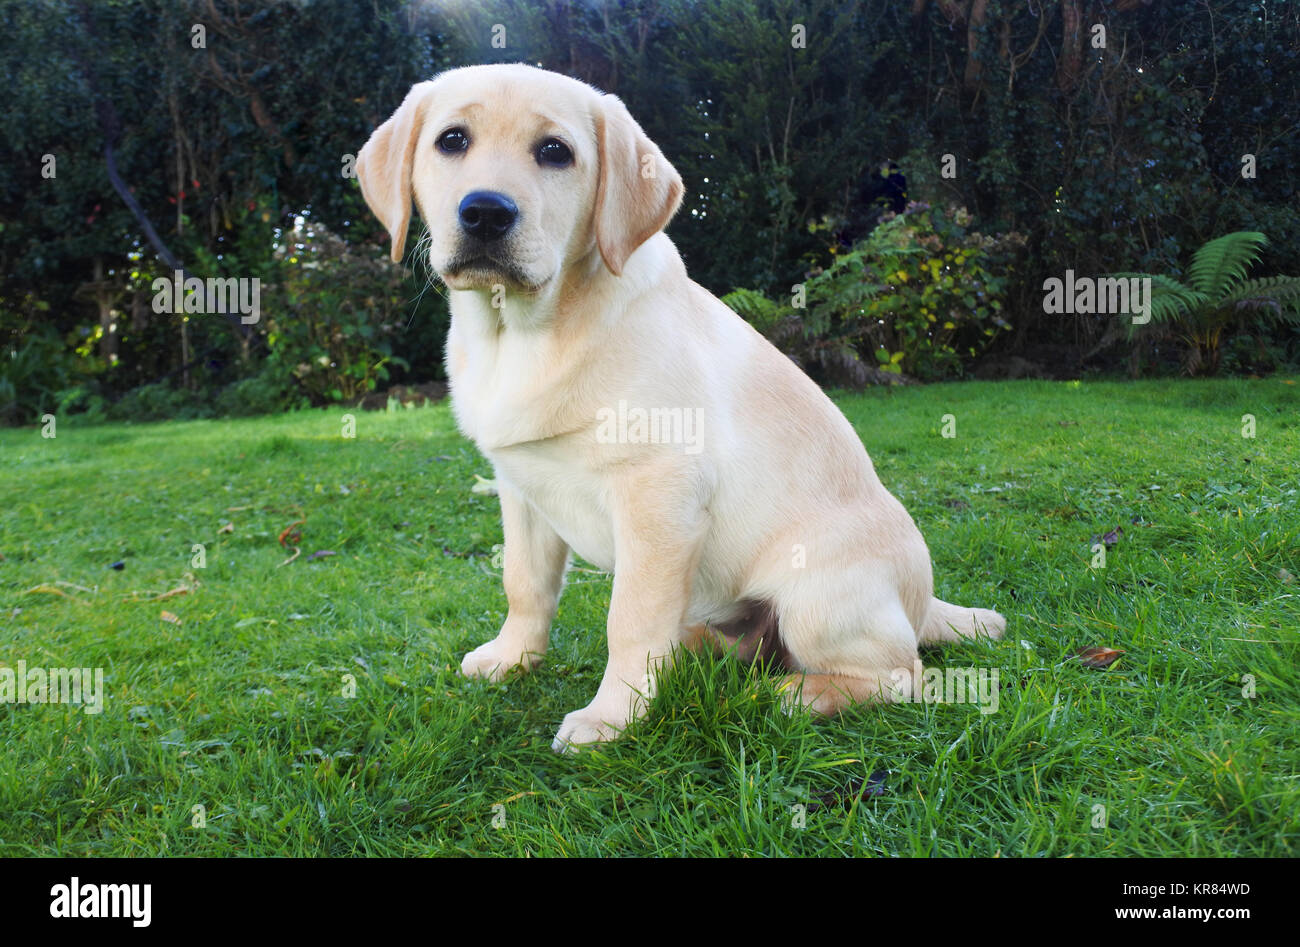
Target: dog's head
518,173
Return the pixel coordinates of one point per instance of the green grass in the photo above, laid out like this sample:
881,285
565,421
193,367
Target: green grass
240,707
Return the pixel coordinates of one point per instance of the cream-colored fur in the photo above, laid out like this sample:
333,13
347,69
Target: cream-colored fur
587,311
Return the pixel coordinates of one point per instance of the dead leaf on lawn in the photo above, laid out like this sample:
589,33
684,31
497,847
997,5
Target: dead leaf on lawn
188,585
1097,657
170,618
228,528
873,785
1110,539
291,535
47,589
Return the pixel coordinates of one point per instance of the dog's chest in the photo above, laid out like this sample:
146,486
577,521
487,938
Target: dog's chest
491,382
504,398
572,499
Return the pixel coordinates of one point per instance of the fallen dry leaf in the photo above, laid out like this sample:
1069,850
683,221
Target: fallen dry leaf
228,528
1111,538
291,535
170,618
1097,657
857,788
51,590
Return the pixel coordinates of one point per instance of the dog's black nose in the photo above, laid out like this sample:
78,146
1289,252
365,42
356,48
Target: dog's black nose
487,215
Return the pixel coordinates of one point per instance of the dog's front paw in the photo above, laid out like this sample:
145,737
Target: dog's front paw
494,660
581,728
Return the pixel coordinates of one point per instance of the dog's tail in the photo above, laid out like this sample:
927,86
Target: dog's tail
944,623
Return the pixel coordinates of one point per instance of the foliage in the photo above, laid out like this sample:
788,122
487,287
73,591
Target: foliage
1181,127
267,393
923,288
219,145
917,295
33,372
162,402
333,315
1217,296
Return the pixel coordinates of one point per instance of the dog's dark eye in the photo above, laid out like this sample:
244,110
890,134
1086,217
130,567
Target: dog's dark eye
453,141
554,154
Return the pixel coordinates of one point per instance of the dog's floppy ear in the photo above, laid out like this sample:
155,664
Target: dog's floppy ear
384,166
638,191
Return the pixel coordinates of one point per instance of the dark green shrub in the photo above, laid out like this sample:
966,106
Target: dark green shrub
266,393
162,402
34,369
917,295
333,315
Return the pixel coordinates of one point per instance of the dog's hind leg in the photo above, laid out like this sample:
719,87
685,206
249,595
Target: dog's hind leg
850,649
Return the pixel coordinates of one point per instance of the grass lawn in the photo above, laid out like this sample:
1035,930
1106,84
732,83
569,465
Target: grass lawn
237,704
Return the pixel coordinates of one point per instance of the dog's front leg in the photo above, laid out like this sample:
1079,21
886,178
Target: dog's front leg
658,534
535,559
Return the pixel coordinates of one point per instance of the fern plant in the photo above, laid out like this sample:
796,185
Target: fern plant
756,309
1217,297
831,356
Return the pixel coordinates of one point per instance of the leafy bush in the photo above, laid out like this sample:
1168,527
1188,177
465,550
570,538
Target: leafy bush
1217,297
914,297
334,315
34,369
162,402
86,401
262,394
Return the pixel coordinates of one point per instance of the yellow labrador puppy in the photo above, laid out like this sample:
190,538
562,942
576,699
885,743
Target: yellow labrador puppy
633,418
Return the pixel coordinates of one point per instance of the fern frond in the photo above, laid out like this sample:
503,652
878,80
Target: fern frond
1171,301
1278,296
751,305
1223,262
756,309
